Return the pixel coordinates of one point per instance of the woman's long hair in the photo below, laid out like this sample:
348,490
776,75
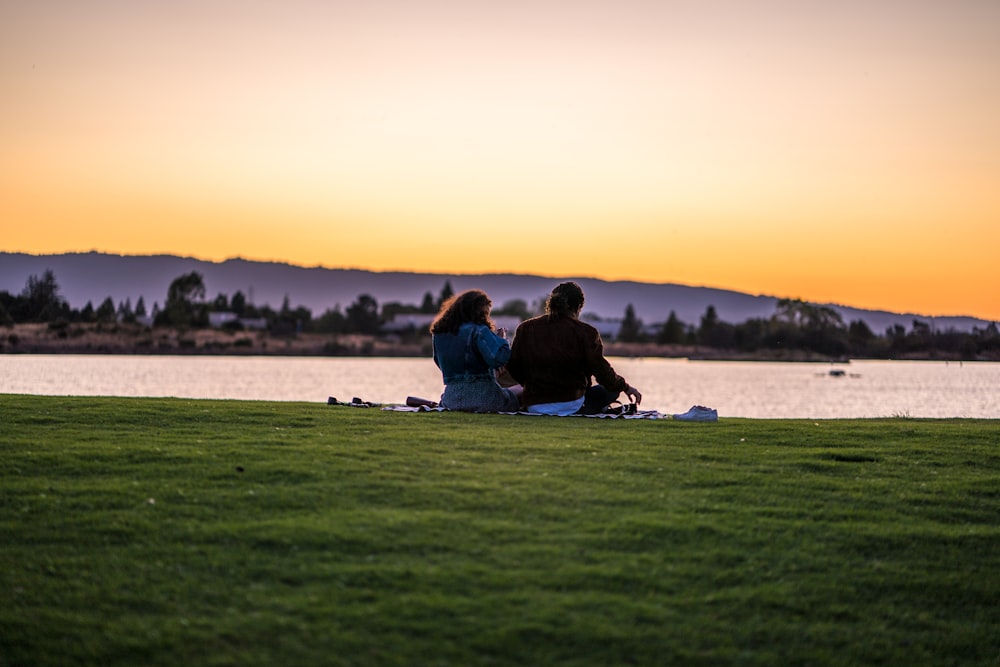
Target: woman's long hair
566,299
470,306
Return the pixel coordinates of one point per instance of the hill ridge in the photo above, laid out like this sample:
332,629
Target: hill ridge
93,276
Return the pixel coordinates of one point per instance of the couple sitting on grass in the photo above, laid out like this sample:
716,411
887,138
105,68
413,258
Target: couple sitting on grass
547,371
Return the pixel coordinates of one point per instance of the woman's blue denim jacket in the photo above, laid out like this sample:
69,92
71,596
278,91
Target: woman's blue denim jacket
470,354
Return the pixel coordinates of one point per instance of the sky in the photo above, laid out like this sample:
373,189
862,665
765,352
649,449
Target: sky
839,152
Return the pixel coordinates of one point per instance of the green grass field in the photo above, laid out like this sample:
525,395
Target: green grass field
182,532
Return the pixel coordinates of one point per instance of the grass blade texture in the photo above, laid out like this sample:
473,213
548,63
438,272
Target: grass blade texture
183,532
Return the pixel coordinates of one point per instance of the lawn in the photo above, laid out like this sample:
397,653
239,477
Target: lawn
187,532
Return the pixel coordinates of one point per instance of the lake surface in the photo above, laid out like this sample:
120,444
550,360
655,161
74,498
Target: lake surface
735,389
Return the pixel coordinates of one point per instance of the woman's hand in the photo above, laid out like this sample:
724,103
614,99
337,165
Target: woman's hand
634,395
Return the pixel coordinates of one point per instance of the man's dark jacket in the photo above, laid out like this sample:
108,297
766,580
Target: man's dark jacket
554,356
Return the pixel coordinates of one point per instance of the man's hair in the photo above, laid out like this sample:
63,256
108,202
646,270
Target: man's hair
470,306
565,299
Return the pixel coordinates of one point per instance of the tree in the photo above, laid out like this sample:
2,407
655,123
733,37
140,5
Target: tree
41,301
861,337
186,288
752,334
708,322
125,312
184,294
290,319
514,308
820,328
631,328
362,315
446,293
331,321
860,331
982,341
238,304
428,305
87,314
672,331
5,319
140,307
714,333
808,316
106,311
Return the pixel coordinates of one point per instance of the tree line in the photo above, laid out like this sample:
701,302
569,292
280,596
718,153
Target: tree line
801,325
795,325
186,306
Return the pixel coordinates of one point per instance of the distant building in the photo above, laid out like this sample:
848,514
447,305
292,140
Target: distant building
403,322
219,319
607,328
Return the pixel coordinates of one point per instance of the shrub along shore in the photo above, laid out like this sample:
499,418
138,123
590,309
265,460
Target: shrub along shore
171,531
122,338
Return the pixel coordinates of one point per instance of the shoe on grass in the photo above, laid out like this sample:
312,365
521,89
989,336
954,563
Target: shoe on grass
698,413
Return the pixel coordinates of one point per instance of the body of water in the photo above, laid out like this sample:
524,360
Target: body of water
735,389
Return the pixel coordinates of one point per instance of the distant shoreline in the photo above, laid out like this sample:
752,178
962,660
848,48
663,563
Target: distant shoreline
134,339
140,340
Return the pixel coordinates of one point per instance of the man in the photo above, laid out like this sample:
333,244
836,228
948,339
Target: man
555,355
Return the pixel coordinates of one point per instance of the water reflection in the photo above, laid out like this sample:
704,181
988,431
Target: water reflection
736,389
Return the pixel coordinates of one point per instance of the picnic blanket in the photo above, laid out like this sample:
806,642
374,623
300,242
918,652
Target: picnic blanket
697,413
639,414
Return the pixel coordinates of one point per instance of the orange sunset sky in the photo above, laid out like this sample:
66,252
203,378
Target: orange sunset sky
844,152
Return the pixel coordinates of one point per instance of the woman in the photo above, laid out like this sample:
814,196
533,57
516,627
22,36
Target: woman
555,355
469,352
